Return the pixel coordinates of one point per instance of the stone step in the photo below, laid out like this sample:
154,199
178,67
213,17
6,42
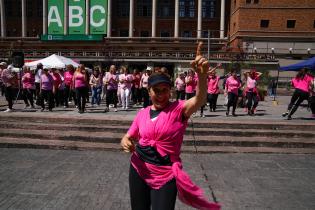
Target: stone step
189,140
126,120
189,131
75,145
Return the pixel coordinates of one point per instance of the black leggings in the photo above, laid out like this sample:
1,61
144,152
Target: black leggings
232,101
297,98
251,97
142,196
212,100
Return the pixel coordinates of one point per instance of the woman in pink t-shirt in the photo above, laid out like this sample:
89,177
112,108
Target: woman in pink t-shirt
190,81
302,84
156,173
231,90
125,80
80,85
180,86
28,82
251,91
111,82
213,88
69,93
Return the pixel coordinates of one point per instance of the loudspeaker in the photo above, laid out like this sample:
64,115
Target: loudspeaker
18,59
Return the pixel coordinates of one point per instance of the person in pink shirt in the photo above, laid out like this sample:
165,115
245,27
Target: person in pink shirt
80,84
111,82
312,104
57,83
190,81
156,175
301,83
213,88
46,90
28,83
144,87
125,80
231,90
180,87
251,91
135,89
69,88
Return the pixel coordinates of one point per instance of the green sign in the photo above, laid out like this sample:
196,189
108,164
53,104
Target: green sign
98,16
76,37
55,16
77,17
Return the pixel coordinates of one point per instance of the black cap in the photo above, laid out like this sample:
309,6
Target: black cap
155,79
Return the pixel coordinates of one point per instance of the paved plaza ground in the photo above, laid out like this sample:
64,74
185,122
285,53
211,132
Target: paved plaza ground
65,179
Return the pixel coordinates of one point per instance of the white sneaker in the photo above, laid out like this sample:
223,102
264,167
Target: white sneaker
115,110
8,110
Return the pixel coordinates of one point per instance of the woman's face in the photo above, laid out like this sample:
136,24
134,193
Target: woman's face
160,95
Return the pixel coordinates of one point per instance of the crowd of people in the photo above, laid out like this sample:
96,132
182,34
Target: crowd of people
50,88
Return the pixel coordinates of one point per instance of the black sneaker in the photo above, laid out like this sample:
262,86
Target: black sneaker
233,114
285,114
227,114
289,117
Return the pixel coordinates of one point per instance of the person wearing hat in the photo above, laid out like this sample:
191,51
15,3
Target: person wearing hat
250,91
144,86
10,82
156,176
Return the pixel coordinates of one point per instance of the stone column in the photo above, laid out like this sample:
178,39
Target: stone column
199,23
131,18
153,18
176,19
87,17
24,18
222,19
44,16
3,23
109,18
66,17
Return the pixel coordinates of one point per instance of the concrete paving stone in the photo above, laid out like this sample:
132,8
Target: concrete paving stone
100,181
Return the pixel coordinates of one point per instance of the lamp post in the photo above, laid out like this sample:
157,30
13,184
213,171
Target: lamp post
208,44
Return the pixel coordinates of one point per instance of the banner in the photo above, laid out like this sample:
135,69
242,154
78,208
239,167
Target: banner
55,16
77,17
98,16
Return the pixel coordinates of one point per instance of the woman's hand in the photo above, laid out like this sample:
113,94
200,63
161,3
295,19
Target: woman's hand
200,64
127,144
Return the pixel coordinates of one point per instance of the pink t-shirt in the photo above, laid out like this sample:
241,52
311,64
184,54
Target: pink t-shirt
233,85
165,133
28,80
251,83
47,81
111,80
79,80
191,84
127,78
302,84
213,87
68,78
180,84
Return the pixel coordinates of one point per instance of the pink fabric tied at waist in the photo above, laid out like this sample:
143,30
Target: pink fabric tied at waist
188,192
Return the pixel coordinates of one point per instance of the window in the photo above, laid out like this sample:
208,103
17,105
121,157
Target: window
264,23
144,33
39,6
144,8
123,33
256,1
29,8
122,8
208,8
186,34
8,8
205,34
290,23
165,34
187,8
314,24
248,1
165,9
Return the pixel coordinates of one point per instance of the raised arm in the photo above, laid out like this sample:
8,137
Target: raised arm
200,65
